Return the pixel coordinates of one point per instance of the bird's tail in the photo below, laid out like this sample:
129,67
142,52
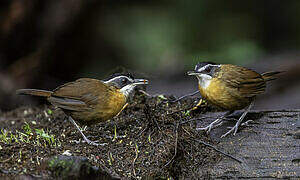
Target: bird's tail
34,92
269,76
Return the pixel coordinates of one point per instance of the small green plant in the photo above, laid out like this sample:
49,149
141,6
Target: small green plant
27,129
136,148
23,137
110,159
46,137
49,111
14,137
115,133
38,137
187,113
149,138
4,136
161,98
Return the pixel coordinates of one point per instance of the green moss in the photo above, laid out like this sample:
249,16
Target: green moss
60,167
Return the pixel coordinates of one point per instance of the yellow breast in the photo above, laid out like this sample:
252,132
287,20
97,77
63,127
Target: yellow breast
115,105
106,108
222,96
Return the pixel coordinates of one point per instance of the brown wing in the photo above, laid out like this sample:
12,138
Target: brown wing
80,95
249,83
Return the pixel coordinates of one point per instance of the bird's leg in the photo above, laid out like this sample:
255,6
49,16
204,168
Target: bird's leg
236,126
184,96
217,125
84,137
211,125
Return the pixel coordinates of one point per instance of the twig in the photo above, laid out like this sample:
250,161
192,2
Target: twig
3,161
146,128
149,95
176,142
145,93
136,156
180,110
156,123
115,134
221,152
148,115
193,119
191,94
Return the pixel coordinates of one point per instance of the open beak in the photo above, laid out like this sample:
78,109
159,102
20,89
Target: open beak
140,81
192,73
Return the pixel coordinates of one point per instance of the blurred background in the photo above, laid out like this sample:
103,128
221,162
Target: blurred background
46,43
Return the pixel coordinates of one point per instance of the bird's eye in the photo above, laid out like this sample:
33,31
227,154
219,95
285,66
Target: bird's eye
124,81
207,69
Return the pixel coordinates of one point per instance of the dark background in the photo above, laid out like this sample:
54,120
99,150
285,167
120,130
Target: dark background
46,43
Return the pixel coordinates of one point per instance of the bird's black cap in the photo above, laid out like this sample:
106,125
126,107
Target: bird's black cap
202,64
128,74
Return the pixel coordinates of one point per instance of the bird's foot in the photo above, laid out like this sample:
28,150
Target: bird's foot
202,129
234,128
247,123
212,125
209,127
93,143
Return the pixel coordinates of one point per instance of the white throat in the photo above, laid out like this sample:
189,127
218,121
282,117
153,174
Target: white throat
204,80
126,90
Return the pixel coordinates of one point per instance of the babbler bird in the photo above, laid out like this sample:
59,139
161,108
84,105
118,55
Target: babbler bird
229,87
90,101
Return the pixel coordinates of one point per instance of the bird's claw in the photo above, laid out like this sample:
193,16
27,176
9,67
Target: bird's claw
211,126
207,128
234,128
202,129
93,143
247,123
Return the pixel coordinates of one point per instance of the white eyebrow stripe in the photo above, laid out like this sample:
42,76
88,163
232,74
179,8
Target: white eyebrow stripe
206,66
110,80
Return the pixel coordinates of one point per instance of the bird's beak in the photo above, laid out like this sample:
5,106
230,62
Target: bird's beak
192,73
140,81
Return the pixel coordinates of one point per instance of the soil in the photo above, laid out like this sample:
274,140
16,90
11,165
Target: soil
152,137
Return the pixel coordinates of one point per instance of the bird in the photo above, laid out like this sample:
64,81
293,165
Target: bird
229,87
90,101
